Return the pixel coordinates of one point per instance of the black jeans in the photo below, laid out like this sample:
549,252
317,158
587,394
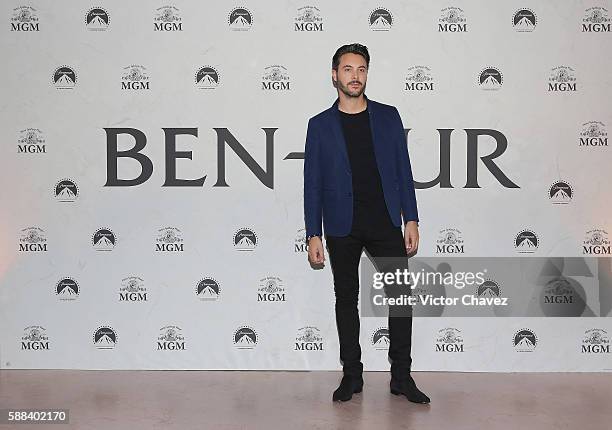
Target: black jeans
372,228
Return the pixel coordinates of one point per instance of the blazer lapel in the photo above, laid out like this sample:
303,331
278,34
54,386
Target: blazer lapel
376,141
336,126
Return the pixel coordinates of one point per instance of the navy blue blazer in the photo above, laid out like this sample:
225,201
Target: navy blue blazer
328,186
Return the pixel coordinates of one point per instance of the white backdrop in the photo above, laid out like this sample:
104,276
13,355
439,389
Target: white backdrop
53,128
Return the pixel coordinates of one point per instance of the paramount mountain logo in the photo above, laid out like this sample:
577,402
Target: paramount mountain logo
560,193
97,19
308,339
135,78
449,340
24,19
245,239
380,338
170,339
596,20
526,241
105,338
31,141
167,18
35,339
64,78
67,289
596,341
450,241
300,244
271,290
245,338
33,239
490,78
103,239
207,78
240,19
524,20
132,289
489,289
596,242
593,134
419,79
208,289
308,19
525,340
66,190
562,78
169,240
381,19
452,20
275,78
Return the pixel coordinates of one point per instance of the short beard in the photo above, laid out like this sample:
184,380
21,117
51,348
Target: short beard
348,92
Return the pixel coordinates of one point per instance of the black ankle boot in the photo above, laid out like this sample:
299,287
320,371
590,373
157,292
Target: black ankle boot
349,385
408,388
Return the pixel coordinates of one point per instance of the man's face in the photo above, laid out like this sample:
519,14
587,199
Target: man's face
351,75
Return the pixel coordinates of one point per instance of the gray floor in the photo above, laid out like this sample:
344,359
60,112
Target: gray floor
114,400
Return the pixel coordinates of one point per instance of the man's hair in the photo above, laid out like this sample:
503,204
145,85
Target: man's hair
353,48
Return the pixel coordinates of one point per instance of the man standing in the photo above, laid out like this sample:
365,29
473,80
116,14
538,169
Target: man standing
358,184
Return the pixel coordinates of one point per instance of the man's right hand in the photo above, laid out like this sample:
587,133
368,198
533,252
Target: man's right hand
315,250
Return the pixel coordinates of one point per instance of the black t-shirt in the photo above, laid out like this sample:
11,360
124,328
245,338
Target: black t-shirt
368,197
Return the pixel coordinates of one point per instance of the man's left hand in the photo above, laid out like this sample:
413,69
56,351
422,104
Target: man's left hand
411,236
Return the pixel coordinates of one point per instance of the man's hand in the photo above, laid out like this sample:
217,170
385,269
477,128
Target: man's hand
411,236
315,250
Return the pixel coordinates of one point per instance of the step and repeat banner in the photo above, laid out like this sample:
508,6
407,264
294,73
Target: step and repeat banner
152,162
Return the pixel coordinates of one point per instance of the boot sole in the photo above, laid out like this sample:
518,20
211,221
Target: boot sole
355,391
399,393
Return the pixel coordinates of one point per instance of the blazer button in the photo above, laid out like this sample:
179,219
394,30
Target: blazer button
349,194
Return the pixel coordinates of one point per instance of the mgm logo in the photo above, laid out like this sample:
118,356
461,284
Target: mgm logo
596,341
132,290
308,19
419,79
562,79
593,134
596,242
271,290
452,20
449,340
308,339
135,78
31,141
170,339
275,78
35,339
450,242
24,19
169,240
167,18
33,239
596,20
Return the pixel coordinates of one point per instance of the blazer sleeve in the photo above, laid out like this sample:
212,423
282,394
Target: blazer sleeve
406,182
313,196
